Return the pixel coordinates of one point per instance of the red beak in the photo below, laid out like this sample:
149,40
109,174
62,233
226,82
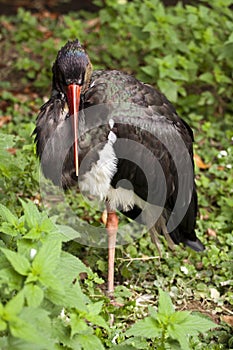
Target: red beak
73,96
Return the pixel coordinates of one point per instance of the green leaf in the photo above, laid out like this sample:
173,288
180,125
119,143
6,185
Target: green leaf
70,267
40,323
74,297
97,320
177,332
8,229
207,77
57,294
165,304
95,308
33,294
195,324
67,233
15,305
7,215
3,325
90,342
46,260
18,261
32,214
24,330
147,328
169,88
183,325
78,325
51,281
179,317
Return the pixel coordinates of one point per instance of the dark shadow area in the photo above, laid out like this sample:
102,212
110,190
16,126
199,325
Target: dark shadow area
61,6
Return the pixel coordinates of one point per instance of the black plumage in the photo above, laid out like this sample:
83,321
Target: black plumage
160,169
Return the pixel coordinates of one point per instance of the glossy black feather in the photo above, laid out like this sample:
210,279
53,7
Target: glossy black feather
154,119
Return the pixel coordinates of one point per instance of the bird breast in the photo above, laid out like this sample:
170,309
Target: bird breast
97,180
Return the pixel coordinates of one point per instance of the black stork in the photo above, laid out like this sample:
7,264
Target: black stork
122,141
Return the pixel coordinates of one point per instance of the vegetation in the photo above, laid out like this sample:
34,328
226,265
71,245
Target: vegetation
50,299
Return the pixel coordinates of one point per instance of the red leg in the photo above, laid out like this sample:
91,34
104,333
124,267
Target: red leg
112,227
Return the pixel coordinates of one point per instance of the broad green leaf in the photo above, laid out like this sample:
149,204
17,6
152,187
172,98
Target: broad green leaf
149,70
207,77
70,267
165,304
46,260
90,342
11,278
179,317
40,320
150,27
7,162
7,215
97,320
147,328
177,332
47,225
38,316
67,233
57,294
190,325
3,325
8,229
95,308
18,261
132,344
27,331
78,325
15,305
33,294
32,214
74,297
195,324
169,88
50,280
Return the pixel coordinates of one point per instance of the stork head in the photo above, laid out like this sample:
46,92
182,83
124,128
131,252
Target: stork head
72,66
71,75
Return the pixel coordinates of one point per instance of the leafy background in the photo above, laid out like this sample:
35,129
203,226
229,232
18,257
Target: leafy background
52,288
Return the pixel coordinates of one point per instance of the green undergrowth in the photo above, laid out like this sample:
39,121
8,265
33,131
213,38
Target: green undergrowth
51,286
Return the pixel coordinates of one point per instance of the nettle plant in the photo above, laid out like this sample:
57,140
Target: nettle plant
43,306
185,52
181,49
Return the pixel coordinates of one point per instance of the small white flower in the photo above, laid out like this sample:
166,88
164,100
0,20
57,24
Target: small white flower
229,166
63,316
33,253
184,270
222,153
